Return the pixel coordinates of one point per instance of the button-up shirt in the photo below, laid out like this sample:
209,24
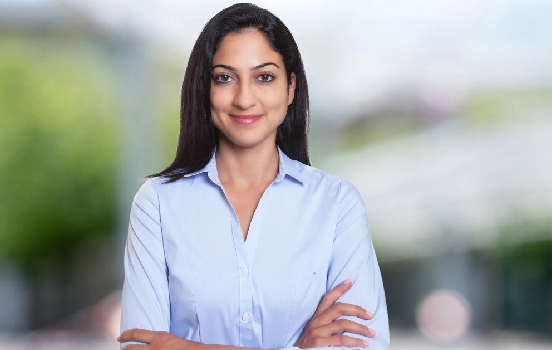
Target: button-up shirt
189,271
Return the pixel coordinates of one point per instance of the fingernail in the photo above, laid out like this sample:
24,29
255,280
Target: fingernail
371,315
365,343
348,281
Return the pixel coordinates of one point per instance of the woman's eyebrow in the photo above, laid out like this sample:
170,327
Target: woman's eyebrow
251,69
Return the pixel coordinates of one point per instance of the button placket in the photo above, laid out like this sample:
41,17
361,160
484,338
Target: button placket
245,251
246,295
246,289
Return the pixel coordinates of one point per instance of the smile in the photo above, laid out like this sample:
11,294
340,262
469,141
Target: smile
246,119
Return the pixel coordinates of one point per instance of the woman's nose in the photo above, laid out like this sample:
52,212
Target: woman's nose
244,97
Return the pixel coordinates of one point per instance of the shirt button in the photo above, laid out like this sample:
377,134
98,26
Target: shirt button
245,271
245,317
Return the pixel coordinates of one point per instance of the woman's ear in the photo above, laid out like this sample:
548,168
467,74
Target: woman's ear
291,89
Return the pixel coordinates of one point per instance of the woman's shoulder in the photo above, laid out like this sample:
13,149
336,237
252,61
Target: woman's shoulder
146,192
348,199
312,174
155,187
316,175
348,195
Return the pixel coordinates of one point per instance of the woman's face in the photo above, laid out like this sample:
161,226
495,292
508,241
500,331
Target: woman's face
249,89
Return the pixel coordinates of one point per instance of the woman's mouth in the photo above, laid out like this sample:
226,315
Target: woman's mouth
246,118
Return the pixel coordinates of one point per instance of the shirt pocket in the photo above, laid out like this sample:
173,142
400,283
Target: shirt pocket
309,286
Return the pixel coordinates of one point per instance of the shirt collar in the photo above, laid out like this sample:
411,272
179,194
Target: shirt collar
287,166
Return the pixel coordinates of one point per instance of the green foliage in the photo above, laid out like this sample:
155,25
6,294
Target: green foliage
527,282
525,256
362,132
491,106
58,156
168,84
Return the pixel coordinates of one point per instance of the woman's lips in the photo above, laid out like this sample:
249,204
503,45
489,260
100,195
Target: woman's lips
246,119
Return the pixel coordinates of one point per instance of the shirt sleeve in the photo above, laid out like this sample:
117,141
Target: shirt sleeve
353,256
145,297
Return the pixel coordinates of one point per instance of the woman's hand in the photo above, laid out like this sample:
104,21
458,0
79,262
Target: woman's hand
156,340
322,326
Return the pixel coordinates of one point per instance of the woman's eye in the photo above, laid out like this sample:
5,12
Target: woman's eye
265,78
223,78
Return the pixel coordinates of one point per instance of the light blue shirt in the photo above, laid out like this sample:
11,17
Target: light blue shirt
189,271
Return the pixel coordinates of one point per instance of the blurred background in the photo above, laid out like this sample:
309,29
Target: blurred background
440,112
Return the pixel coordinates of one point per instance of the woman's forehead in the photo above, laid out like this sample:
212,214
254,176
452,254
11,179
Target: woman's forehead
244,50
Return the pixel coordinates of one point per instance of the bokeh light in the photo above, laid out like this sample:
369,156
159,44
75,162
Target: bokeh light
444,316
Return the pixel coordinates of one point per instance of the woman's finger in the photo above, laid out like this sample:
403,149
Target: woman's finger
338,309
340,340
330,297
137,334
345,325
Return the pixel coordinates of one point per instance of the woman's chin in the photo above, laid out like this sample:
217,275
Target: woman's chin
247,141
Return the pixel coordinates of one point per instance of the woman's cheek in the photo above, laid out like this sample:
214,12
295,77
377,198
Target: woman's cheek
220,101
276,100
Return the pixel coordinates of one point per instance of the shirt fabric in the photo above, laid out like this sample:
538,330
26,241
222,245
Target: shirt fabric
189,271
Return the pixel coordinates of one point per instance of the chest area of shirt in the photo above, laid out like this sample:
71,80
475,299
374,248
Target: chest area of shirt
281,267
244,202
290,220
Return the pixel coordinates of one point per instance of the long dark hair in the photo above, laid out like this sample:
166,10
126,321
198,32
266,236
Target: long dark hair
198,136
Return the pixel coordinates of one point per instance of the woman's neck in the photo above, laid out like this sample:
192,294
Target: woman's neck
247,167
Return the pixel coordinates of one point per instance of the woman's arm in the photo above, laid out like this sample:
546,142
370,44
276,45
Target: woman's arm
145,299
312,335
168,341
353,256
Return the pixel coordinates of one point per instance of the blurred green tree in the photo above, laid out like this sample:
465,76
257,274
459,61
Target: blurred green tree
58,151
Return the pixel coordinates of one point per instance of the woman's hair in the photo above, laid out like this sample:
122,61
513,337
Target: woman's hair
198,135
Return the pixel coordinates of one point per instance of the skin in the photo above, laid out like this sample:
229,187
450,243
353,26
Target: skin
247,156
248,78
247,162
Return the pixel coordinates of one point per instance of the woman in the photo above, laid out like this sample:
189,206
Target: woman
240,243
